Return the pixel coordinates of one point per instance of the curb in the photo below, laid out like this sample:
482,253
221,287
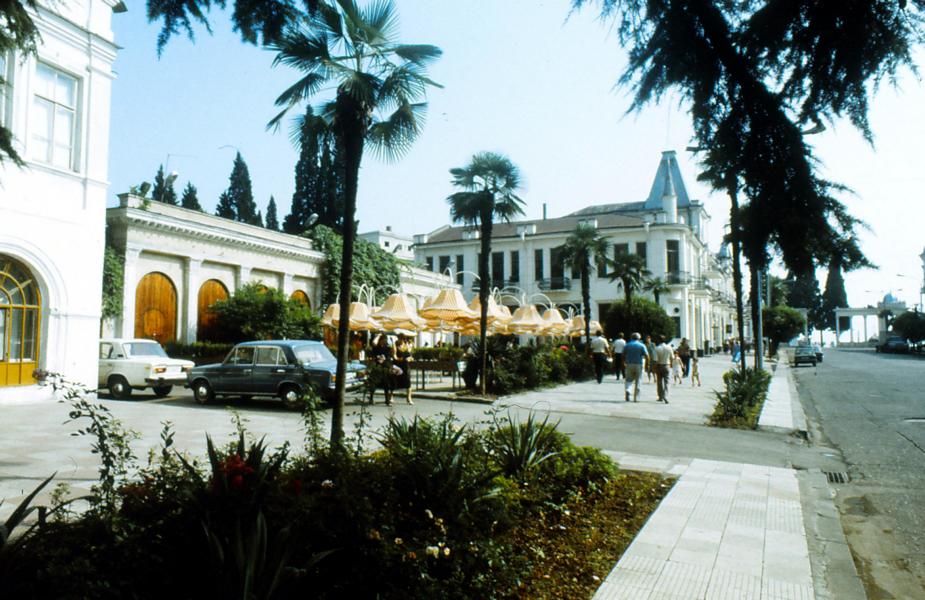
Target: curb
468,399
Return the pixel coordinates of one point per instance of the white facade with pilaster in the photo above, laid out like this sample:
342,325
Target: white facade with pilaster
56,104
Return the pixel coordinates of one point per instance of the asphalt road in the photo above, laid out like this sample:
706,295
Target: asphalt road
870,409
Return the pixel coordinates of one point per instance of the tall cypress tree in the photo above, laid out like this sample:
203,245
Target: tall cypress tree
803,292
272,222
241,194
225,206
163,191
834,295
190,198
318,179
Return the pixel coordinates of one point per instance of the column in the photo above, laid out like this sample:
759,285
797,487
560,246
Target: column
191,281
242,275
837,328
288,285
126,326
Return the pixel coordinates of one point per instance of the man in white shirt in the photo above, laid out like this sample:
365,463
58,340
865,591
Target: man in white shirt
663,356
619,365
599,348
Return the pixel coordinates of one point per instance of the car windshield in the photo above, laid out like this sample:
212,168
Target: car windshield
312,353
145,349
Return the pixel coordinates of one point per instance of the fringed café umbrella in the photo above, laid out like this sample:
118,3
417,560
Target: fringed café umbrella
360,318
596,327
398,313
527,320
577,326
496,316
446,310
554,323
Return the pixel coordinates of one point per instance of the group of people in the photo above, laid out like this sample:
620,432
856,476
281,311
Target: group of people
655,357
390,368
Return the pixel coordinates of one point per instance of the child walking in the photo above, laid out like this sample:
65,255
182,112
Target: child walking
676,368
695,371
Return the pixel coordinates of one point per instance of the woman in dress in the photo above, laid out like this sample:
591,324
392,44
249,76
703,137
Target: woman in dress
380,374
402,360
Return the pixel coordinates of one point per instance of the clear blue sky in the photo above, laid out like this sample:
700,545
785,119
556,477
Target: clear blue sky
521,78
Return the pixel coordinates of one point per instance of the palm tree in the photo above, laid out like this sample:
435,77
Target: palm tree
378,87
655,286
489,183
584,246
631,270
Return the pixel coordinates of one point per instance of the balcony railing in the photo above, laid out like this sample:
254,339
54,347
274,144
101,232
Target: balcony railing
678,278
555,284
496,283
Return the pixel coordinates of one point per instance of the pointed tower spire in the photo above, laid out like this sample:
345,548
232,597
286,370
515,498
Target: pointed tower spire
669,197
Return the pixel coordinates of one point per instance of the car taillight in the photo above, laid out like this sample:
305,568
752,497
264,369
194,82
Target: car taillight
160,369
187,368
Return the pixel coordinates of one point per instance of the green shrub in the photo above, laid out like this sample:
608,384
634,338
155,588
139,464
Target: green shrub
199,352
451,353
520,447
643,316
739,404
255,312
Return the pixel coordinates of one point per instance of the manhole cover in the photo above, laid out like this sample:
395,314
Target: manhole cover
915,420
836,476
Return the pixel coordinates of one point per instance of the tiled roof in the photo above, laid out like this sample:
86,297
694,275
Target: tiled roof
565,224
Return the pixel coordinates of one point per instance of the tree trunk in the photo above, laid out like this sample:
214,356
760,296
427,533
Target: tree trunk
737,274
586,301
352,134
484,291
628,292
755,307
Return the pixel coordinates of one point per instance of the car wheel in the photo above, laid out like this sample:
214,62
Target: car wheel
162,390
291,396
202,392
119,387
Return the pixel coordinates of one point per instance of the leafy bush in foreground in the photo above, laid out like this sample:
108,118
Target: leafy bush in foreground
739,404
430,515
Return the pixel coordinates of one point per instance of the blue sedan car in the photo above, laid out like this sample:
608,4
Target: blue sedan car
283,369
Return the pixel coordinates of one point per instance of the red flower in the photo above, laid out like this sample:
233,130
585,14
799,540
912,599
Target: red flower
237,481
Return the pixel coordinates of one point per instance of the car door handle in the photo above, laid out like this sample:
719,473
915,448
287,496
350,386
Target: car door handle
280,370
246,371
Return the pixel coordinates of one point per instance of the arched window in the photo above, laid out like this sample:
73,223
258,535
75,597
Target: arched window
302,297
156,308
20,316
210,292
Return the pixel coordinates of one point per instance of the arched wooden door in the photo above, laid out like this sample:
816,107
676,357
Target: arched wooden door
210,292
301,297
20,310
156,308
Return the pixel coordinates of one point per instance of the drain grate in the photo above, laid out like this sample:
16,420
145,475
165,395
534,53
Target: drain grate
836,476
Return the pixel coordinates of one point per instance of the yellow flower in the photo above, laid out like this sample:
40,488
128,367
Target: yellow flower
433,551
399,541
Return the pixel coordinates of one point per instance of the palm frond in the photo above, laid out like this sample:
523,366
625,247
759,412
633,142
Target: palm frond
466,207
419,54
301,90
301,49
402,84
391,138
380,22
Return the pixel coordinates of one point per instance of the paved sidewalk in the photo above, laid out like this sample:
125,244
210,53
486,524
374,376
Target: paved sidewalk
686,404
724,531
780,411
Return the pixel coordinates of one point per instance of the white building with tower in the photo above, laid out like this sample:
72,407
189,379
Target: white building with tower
668,229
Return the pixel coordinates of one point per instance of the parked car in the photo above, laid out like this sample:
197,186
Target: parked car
278,368
804,354
894,344
136,364
818,350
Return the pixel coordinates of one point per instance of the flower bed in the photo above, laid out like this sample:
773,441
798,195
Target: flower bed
739,405
440,511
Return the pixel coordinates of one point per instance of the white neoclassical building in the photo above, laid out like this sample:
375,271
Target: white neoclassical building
668,228
179,261
57,105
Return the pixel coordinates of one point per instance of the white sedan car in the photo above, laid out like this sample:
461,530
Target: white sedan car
128,364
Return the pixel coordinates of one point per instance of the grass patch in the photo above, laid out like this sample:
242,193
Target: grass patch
573,550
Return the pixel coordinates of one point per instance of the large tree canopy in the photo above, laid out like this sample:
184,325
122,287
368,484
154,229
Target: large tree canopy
757,75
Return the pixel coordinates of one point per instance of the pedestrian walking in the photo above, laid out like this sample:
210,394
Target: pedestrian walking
599,348
650,368
380,371
664,355
684,351
635,357
676,366
403,362
695,371
736,350
618,345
